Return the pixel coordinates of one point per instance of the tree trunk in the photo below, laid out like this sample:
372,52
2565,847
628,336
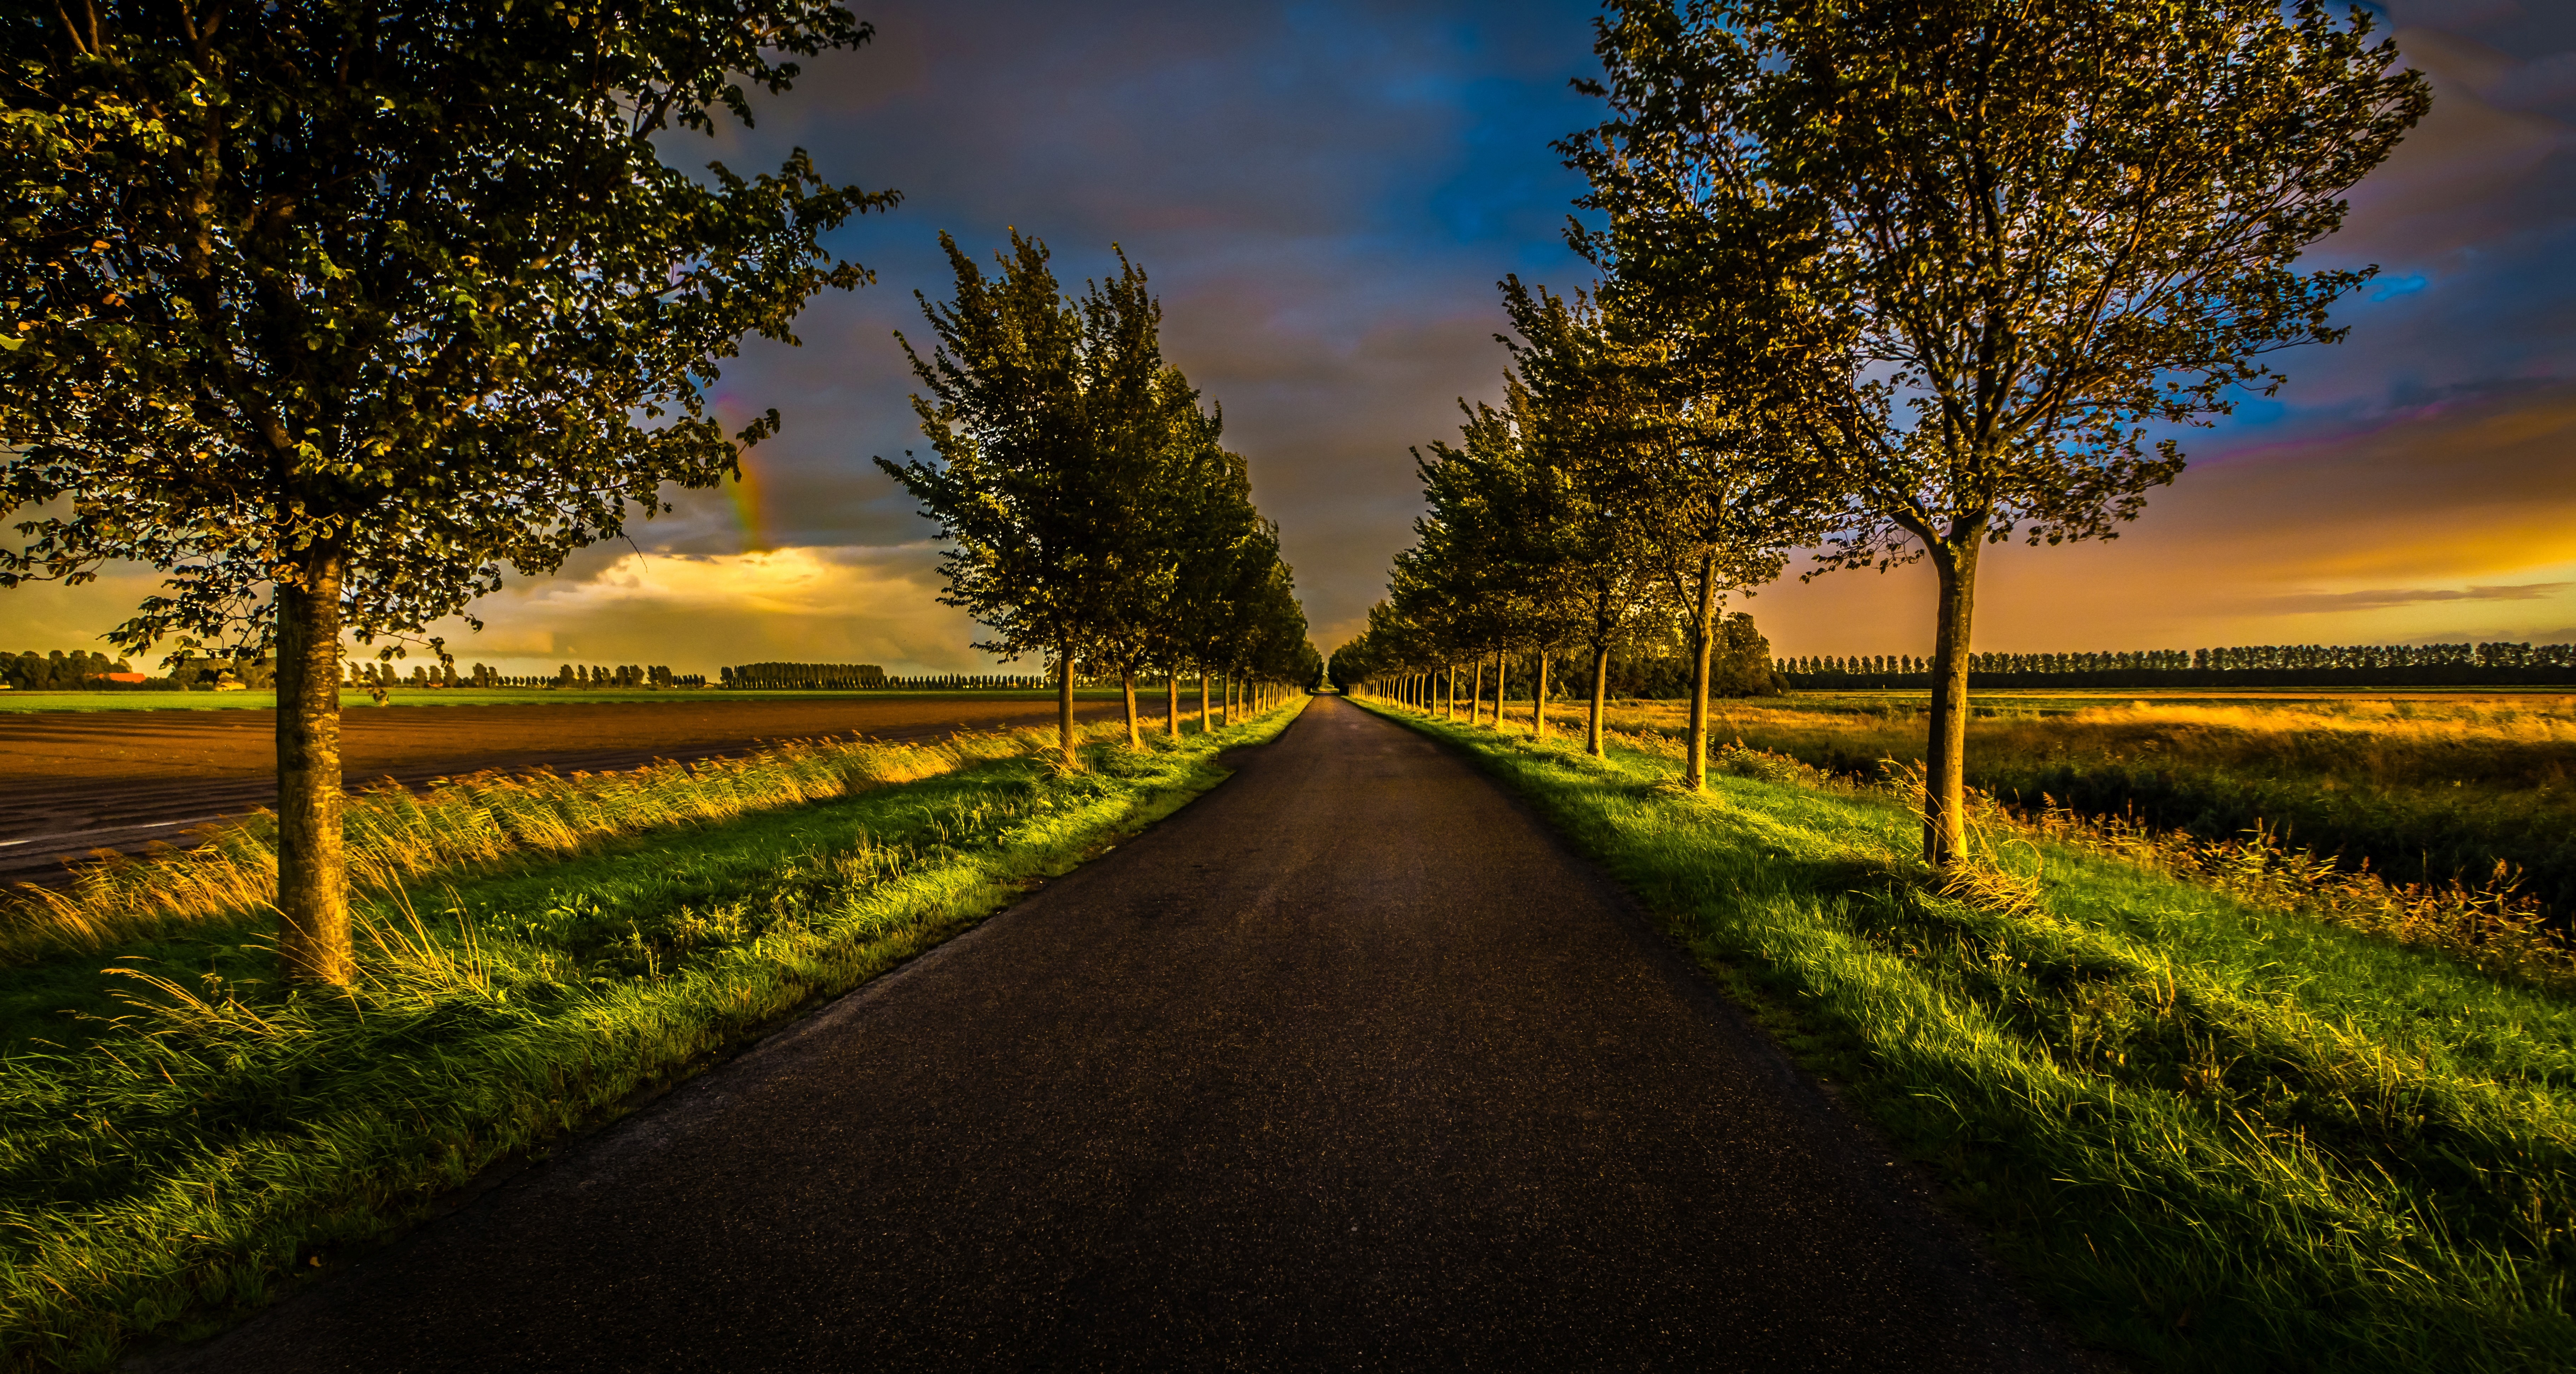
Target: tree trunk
1502,681
312,869
1127,687
1203,701
1064,707
1595,742
1449,684
1172,703
1538,701
1945,791
1476,694
1703,630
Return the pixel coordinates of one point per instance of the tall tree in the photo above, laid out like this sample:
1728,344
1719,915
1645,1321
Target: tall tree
1215,528
1056,426
328,310
1016,491
1973,248
1592,433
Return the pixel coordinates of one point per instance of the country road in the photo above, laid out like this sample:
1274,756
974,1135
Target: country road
1349,1064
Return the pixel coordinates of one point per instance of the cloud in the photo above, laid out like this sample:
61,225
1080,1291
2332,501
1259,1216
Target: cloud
696,612
1325,194
2379,600
2293,541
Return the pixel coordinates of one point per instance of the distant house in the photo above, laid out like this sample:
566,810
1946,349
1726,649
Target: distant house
229,683
123,677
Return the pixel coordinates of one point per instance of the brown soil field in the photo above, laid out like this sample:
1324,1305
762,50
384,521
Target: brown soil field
74,782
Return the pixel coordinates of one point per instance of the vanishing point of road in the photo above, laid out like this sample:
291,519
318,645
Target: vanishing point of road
1349,1064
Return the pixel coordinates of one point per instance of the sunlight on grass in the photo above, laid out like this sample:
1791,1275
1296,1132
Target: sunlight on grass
2423,790
178,1134
394,834
2218,1136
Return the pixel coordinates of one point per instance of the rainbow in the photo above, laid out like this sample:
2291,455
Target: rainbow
745,494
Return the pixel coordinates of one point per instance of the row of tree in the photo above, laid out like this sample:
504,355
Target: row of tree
1093,517
1740,665
838,677
2259,665
806,676
1891,281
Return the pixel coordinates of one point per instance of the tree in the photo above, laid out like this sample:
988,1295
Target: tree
1178,492
1971,249
1480,579
1591,428
1029,399
329,310
1215,528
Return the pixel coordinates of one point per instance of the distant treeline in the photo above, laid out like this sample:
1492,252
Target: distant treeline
868,677
570,675
2497,664
804,676
444,675
77,671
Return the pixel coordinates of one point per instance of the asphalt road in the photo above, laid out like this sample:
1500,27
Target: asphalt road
1347,1065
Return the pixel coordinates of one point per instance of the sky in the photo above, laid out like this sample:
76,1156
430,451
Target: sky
1325,195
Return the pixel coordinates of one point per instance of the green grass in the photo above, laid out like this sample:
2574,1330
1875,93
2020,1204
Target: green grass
2213,1136
178,1136
352,699
2419,790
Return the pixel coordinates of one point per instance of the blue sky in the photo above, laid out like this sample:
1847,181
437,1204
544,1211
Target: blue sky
1325,195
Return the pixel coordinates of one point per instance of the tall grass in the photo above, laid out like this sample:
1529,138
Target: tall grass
2491,925
2217,1135
229,872
196,1134
2425,792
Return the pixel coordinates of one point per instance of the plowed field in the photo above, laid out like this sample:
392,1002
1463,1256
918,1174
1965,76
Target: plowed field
73,782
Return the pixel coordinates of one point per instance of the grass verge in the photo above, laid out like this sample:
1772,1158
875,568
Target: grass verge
188,1136
2216,1135
2426,792
393,835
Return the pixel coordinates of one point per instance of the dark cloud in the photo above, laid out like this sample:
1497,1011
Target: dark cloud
1325,195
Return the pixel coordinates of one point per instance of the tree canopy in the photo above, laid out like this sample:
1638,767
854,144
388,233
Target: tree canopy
1967,252
1090,511
329,312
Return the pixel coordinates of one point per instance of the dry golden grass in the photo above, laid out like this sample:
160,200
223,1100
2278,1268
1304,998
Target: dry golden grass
2516,742
2486,921
230,871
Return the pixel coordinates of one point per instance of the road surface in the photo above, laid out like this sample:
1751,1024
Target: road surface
1350,1064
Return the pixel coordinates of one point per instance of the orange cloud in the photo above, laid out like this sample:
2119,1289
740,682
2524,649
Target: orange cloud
2448,522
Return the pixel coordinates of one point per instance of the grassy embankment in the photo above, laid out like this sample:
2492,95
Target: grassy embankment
2217,1135
2421,788
178,1137
357,698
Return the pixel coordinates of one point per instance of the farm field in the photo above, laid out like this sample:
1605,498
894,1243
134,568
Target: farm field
71,782
354,698
2423,786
